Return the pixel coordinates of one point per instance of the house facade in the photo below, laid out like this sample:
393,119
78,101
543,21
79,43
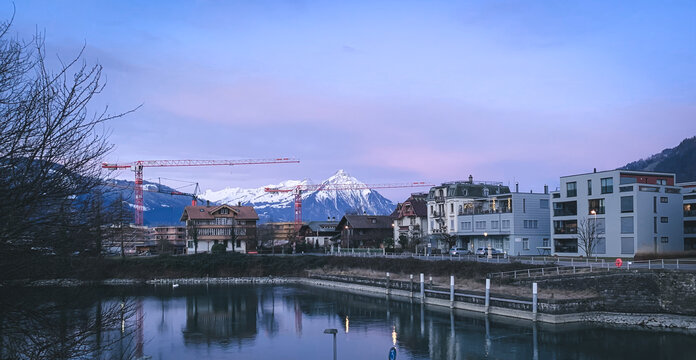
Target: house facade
633,211
211,225
318,233
364,230
170,239
689,193
411,219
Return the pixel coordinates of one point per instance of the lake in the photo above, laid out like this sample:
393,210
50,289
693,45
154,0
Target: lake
288,322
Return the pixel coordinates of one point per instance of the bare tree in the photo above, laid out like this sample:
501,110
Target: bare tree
51,145
589,236
449,239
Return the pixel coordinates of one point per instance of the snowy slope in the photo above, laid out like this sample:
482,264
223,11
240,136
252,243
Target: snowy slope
316,205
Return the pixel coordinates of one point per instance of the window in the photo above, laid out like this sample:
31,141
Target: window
625,188
506,224
664,199
525,244
524,205
565,245
190,244
544,203
466,225
432,225
664,239
545,242
627,225
655,204
627,245
627,204
494,224
661,181
451,224
664,219
565,227
565,208
597,205
607,185
571,189
531,224
648,189
655,224
224,211
556,195
480,225
452,209
589,187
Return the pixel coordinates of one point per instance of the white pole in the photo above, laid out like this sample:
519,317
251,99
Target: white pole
452,291
488,294
534,300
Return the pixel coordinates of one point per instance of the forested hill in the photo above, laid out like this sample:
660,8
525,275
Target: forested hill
680,160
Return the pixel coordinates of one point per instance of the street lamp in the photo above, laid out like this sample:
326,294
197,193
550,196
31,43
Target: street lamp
485,239
594,229
333,332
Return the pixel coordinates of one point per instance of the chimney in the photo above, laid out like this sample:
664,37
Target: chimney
239,203
471,179
517,187
595,169
207,203
546,189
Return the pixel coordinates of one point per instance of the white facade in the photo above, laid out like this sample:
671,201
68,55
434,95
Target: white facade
206,246
635,212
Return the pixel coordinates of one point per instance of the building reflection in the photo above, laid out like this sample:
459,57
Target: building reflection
222,315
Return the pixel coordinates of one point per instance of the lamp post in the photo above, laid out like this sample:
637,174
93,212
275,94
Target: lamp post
490,251
594,231
332,332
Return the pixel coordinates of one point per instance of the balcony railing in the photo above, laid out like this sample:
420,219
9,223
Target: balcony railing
439,198
483,212
689,229
564,212
688,213
567,230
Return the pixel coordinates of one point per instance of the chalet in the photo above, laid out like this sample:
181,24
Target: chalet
234,225
365,230
411,220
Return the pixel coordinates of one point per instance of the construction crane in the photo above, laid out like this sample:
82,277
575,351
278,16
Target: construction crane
137,167
193,196
299,189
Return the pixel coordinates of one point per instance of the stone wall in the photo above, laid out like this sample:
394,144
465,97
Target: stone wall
634,291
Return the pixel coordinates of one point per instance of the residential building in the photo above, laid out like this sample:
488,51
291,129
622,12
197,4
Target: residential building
235,225
318,233
689,193
411,219
364,230
478,214
170,239
277,233
634,212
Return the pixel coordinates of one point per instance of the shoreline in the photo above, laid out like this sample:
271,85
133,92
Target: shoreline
659,321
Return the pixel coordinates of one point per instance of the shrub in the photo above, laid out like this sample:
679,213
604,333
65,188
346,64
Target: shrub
218,249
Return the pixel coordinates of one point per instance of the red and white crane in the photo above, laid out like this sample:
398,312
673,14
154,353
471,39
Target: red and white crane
137,167
299,189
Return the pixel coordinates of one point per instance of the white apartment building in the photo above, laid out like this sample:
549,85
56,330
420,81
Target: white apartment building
634,212
487,213
689,193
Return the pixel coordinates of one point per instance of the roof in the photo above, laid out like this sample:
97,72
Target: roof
633,172
205,212
366,221
322,225
418,204
468,190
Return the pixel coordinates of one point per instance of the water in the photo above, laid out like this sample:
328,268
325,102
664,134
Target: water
287,322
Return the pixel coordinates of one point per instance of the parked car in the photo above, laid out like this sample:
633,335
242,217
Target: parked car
484,252
459,251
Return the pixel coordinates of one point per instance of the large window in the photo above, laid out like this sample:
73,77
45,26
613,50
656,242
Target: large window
466,225
506,224
480,225
494,224
607,185
627,225
627,204
589,187
565,227
531,224
596,205
544,203
571,189
565,208
566,245
525,244
627,245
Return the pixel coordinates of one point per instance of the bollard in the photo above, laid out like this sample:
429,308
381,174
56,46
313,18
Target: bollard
677,264
488,294
452,291
422,287
534,301
663,263
431,283
571,262
649,265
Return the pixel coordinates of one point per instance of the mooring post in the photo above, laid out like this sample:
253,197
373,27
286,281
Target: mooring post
663,263
488,294
431,283
411,276
677,264
388,282
451,291
422,287
534,301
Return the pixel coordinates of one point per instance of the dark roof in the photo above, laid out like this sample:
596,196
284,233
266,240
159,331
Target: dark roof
418,204
322,225
205,212
366,222
467,190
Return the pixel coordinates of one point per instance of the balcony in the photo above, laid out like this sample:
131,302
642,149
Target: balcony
437,214
439,198
689,213
484,212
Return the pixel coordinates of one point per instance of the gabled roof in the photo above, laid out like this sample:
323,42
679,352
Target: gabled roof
366,222
417,204
206,212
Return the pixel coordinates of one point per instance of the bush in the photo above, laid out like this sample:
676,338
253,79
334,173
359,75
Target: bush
218,249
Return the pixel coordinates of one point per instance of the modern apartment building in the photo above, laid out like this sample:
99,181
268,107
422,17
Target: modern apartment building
689,193
633,211
487,213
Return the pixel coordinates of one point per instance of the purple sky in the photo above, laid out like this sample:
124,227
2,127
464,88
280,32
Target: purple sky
389,91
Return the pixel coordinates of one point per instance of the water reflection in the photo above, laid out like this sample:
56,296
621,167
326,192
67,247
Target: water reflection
265,322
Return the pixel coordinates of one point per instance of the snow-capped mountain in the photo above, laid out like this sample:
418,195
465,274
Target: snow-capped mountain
316,205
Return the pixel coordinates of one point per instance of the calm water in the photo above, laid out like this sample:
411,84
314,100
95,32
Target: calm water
287,322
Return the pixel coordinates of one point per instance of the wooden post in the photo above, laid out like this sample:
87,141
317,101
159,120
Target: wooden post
488,294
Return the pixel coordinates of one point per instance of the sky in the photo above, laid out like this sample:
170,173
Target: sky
390,91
